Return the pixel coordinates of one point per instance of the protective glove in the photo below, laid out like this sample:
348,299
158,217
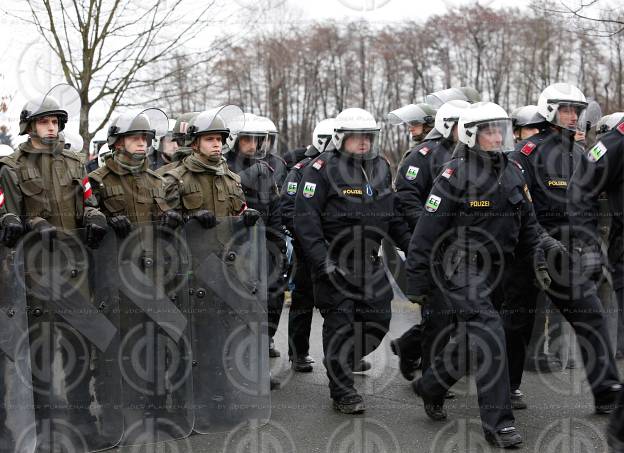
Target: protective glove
205,218
250,217
330,271
11,229
121,225
549,243
542,277
171,219
95,234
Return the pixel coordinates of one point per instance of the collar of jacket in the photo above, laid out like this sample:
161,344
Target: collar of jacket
116,167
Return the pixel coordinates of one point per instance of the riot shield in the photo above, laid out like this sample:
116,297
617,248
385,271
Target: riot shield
73,330
229,320
155,349
17,416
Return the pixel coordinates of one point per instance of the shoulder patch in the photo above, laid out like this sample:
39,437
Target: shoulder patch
596,152
424,150
433,203
320,163
298,165
1,198
528,148
448,173
309,189
291,189
411,173
620,128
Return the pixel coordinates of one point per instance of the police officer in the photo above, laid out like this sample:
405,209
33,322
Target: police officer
128,191
463,93
203,186
478,215
343,209
413,183
302,295
419,119
527,122
601,169
548,160
179,135
279,165
245,155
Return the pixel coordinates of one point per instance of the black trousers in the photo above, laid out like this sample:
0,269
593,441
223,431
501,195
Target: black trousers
301,307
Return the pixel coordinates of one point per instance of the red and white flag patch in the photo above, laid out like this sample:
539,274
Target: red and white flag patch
86,188
620,128
528,148
448,173
318,164
424,150
1,198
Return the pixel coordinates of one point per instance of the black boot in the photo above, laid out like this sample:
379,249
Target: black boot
352,403
504,438
434,404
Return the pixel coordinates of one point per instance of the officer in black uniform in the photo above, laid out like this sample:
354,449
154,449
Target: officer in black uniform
343,209
413,183
478,215
602,169
302,295
419,119
548,160
246,150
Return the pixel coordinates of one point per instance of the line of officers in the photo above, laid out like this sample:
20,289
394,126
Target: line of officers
473,213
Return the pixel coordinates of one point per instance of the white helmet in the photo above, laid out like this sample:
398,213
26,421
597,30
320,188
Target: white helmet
561,94
448,116
486,126
102,153
253,127
355,120
609,122
5,150
323,133
73,141
412,113
273,133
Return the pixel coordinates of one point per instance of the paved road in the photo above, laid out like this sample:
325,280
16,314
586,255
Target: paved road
559,420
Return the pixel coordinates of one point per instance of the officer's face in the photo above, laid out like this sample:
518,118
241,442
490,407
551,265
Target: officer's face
455,133
568,116
209,145
136,144
247,145
169,146
357,143
528,132
490,139
47,127
416,129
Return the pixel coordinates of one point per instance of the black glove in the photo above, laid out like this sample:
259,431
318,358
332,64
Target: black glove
171,219
45,229
95,234
205,218
421,299
12,229
250,217
549,243
330,271
121,225
542,277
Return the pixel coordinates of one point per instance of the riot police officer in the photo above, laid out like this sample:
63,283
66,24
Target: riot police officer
601,169
477,216
419,119
343,209
246,150
527,122
203,186
548,160
179,135
279,165
413,183
302,295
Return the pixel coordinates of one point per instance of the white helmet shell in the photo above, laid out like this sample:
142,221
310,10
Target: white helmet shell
5,150
448,115
254,126
556,95
483,114
322,134
102,153
353,120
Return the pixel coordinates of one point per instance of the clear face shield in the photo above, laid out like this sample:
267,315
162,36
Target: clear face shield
253,144
361,144
61,97
571,116
495,136
437,99
132,126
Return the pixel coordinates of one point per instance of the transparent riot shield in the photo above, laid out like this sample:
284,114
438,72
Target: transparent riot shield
229,320
17,415
73,324
155,349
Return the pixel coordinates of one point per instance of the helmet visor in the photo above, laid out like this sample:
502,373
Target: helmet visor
495,135
438,98
361,144
571,115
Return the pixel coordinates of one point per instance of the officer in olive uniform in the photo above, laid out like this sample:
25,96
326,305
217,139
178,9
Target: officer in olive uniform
46,187
601,169
477,216
343,209
244,157
548,160
413,183
128,191
202,184
302,295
